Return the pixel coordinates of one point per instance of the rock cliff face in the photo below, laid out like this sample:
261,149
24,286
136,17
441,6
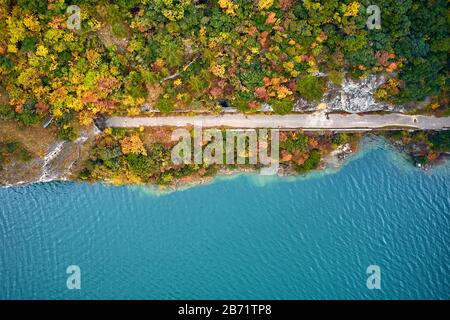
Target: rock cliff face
62,161
353,96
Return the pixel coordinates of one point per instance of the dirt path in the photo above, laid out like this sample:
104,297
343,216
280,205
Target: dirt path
333,122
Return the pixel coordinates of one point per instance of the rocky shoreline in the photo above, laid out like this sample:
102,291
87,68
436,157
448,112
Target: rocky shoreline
58,165
61,162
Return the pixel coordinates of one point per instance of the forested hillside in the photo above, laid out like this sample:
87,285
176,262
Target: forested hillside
199,55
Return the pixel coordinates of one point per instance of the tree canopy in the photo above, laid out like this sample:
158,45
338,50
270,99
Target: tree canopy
181,55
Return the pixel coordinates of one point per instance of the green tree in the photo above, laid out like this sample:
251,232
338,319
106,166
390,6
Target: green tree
310,87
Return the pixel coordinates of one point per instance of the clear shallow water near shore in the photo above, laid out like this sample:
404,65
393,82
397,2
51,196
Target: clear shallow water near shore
242,238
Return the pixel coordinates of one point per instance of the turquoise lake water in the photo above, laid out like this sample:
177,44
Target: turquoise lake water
242,238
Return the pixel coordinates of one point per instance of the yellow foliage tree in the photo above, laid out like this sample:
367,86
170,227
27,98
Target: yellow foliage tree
229,7
352,9
133,144
264,4
32,23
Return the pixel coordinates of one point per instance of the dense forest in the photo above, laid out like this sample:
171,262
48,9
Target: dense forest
123,156
173,55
